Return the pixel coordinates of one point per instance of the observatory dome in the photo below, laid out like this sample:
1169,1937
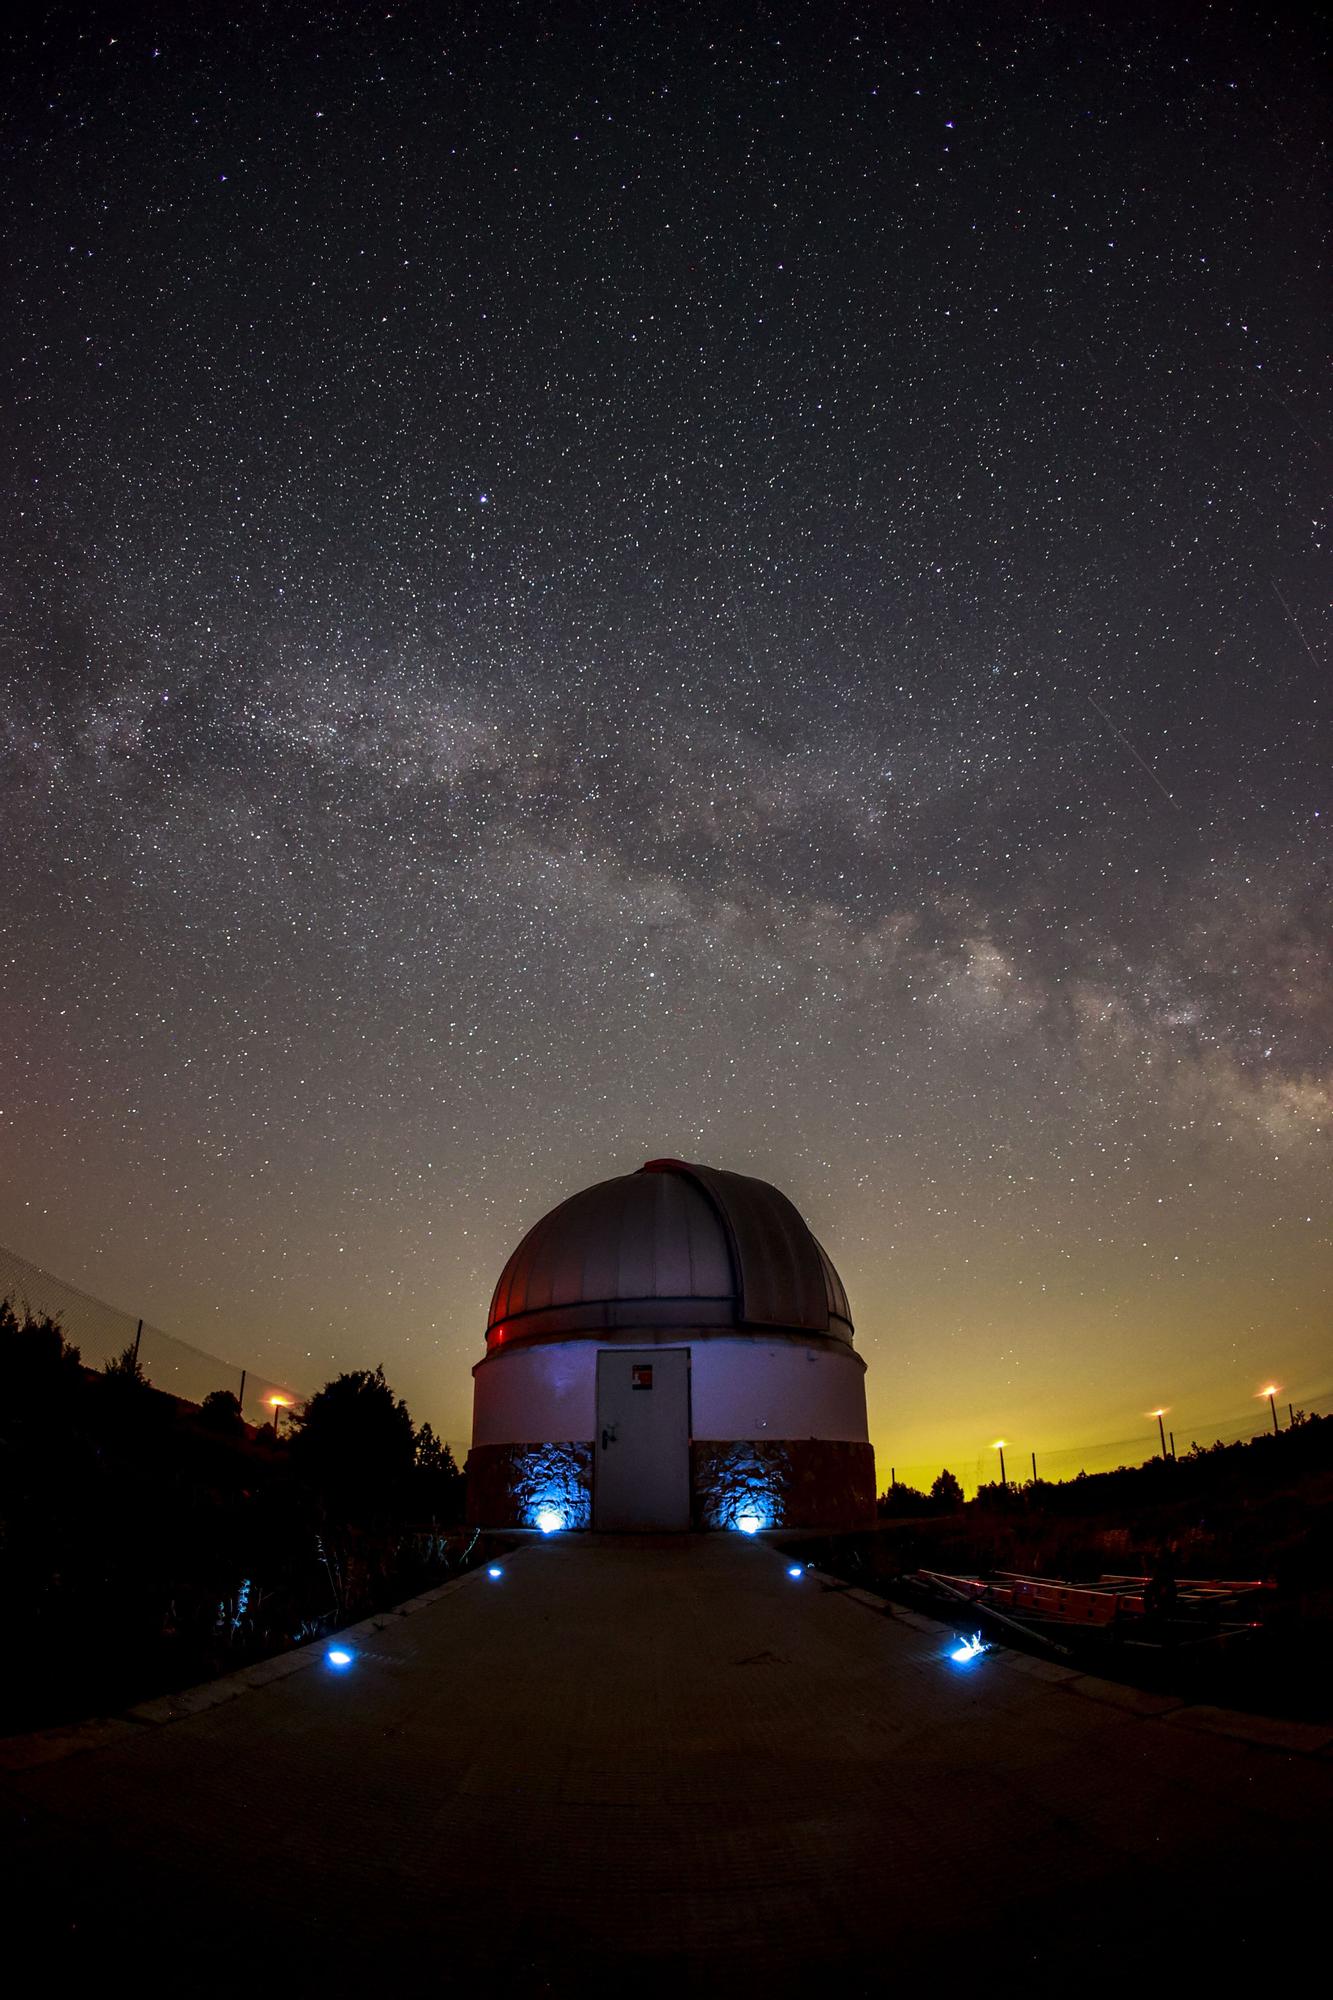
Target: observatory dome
672,1245
666,1350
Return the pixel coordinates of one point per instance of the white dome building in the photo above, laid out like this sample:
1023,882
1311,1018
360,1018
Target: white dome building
667,1350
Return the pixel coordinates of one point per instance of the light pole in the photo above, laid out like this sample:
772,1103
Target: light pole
999,1446
279,1404
1271,1392
1161,1431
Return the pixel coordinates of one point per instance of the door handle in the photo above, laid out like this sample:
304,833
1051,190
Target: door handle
608,1437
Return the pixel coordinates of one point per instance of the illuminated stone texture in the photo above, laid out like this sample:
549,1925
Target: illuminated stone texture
795,1482
508,1485
787,1482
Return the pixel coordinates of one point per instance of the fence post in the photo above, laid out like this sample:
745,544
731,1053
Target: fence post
137,1338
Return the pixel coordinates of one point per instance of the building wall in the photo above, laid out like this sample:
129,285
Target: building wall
741,1387
778,1432
782,1483
754,1388
776,1483
511,1485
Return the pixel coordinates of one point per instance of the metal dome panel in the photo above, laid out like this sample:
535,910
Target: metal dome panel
674,1245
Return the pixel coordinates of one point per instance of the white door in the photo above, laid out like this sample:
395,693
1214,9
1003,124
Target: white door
642,1455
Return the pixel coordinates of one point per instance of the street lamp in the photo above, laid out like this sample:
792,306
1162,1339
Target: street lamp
1270,1392
999,1445
1159,1414
279,1404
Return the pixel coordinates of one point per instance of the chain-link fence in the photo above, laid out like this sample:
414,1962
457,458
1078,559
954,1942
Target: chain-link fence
101,1332
1182,1435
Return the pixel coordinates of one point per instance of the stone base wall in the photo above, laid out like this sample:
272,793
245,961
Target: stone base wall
509,1485
781,1482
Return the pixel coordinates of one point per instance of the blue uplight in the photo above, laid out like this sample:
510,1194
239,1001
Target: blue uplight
969,1650
338,1656
749,1524
794,1569
549,1520
494,1570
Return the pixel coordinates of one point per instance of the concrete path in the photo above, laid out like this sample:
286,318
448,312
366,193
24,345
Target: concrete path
663,1765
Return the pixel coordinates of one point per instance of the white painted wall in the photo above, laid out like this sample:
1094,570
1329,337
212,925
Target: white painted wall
744,1387
753,1388
536,1395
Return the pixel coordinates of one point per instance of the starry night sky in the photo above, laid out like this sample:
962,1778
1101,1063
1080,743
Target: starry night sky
586,583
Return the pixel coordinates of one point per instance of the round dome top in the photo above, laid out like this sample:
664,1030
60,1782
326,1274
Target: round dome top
674,1245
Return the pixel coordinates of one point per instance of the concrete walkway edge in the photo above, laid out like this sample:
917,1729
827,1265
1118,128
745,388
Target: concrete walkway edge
49,1746
1263,1732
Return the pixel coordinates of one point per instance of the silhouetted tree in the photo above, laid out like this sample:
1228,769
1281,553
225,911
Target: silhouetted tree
900,1500
125,1367
221,1411
159,1527
946,1493
128,1400
356,1448
441,1489
36,1362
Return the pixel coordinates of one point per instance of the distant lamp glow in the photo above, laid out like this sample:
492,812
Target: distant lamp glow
999,1446
1159,1414
969,1650
493,1570
338,1656
278,1404
548,1520
749,1524
1273,1389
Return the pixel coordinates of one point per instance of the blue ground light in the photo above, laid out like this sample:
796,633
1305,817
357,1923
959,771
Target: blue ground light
339,1658
495,1571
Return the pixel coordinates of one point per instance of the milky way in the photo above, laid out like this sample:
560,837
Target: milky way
586,584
